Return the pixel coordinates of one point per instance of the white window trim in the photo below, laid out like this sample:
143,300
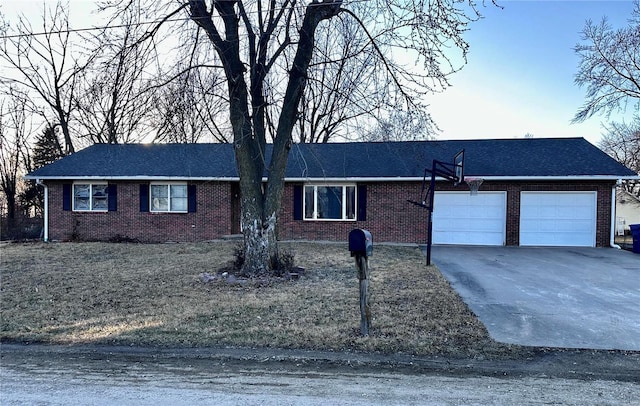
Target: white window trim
152,210
315,202
91,185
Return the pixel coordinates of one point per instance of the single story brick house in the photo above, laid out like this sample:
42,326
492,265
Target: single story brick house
551,192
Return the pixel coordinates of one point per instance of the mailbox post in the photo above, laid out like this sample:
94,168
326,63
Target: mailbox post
361,247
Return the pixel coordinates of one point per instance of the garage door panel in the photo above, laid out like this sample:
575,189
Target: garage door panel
575,226
558,218
465,225
486,224
556,226
575,212
459,218
558,238
467,238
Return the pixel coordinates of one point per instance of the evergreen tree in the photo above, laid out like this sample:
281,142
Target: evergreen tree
46,150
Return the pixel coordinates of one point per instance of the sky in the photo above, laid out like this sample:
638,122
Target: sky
520,73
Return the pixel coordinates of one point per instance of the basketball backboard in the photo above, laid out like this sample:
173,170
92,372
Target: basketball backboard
458,168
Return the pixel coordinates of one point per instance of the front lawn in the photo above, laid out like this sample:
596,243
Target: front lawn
156,295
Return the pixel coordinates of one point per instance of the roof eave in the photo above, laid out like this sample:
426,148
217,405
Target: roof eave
556,178
138,178
332,179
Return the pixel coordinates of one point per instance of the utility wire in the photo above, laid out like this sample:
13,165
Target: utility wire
137,24
99,28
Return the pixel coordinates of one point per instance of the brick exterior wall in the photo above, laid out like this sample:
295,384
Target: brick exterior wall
390,218
211,220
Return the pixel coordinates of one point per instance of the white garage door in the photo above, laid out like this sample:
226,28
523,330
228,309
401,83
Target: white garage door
558,219
459,218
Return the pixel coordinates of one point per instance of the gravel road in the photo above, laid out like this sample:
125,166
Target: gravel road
64,377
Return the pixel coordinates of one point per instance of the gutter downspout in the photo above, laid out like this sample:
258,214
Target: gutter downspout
45,211
612,240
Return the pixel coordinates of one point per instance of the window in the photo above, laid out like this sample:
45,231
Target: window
90,197
169,198
330,202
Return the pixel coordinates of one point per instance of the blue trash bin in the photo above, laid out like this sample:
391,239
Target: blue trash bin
635,234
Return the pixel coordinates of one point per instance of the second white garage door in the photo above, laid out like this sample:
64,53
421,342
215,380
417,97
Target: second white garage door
558,219
459,218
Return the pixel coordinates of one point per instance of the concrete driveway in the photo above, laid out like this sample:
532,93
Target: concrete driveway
550,297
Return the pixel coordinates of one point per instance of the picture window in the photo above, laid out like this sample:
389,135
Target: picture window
330,202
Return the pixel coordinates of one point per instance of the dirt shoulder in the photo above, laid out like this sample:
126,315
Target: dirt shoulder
547,363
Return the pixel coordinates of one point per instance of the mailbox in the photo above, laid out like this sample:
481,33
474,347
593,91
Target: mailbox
360,242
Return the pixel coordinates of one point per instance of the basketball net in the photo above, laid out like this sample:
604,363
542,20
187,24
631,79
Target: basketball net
474,184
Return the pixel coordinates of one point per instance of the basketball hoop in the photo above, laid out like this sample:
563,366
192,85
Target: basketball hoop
474,184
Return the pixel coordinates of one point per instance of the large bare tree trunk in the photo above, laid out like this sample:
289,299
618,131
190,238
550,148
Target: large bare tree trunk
259,206
266,47
260,239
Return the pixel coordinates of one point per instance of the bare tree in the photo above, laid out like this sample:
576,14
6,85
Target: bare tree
46,66
14,129
261,33
265,51
346,84
610,70
609,66
622,142
114,100
402,126
351,93
190,109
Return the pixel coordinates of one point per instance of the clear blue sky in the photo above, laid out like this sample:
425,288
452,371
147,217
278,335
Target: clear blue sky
519,78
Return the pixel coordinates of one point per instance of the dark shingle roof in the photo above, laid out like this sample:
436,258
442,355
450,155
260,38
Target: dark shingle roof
145,160
553,157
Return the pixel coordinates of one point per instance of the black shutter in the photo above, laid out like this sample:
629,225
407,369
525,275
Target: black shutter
191,195
144,197
66,197
113,197
362,202
297,202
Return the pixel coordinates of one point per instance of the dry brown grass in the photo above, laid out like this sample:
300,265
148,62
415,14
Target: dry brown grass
151,295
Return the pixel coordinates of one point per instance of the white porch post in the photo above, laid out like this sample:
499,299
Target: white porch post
45,231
